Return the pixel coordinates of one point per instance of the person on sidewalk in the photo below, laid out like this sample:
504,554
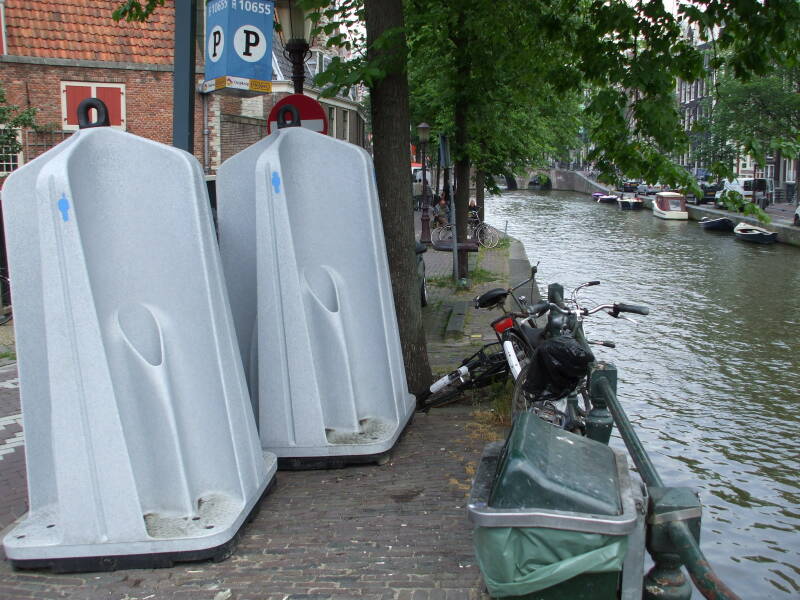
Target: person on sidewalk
441,212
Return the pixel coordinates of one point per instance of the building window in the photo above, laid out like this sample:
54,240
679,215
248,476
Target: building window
73,93
331,121
345,126
322,62
9,160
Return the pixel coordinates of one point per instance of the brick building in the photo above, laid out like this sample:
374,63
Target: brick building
52,55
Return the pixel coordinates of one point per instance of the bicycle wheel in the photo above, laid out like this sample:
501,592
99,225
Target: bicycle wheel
488,236
444,233
521,401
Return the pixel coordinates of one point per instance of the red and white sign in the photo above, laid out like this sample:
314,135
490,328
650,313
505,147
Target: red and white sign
312,115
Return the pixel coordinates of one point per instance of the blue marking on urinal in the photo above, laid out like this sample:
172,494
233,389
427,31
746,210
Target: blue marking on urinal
63,207
276,182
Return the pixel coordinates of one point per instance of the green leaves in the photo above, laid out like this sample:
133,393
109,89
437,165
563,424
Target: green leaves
735,202
12,119
132,10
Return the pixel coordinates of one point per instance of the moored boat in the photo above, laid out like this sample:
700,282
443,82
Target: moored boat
630,203
718,224
606,199
670,205
754,233
596,195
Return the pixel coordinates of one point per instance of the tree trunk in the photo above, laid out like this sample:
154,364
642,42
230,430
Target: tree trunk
480,197
391,140
460,110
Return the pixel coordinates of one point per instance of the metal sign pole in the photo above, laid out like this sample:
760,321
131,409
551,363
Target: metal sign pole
183,75
444,161
455,232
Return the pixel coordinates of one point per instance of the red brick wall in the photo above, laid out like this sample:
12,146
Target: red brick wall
148,97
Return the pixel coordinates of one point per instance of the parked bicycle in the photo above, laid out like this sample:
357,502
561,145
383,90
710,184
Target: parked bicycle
559,350
552,363
486,235
488,365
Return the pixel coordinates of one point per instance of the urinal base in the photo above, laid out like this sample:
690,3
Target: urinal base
160,560
310,463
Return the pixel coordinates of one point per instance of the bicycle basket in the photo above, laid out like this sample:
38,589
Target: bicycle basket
556,368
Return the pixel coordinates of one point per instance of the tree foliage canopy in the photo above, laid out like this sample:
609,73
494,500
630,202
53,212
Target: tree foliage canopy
756,117
525,68
12,119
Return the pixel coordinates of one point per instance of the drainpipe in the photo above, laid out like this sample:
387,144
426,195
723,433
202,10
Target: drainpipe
3,43
206,166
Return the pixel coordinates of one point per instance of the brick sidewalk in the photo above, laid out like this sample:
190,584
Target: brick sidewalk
396,531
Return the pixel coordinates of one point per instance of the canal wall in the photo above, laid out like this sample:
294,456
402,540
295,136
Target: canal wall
787,233
575,182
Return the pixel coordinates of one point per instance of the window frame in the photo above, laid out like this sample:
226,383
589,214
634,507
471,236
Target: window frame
20,156
93,85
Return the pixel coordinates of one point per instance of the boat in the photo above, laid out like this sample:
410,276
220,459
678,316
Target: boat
630,203
607,199
754,233
718,224
670,205
596,195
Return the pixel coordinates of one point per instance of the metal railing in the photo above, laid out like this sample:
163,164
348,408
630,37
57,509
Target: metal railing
672,516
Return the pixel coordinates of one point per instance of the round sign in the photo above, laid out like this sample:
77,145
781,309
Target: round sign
216,43
250,43
312,115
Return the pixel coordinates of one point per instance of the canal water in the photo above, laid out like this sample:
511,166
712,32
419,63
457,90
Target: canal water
709,378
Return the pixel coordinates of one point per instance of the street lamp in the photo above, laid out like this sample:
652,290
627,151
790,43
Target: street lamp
424,133
296,30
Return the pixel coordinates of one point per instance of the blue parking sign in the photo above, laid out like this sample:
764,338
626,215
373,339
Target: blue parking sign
239,45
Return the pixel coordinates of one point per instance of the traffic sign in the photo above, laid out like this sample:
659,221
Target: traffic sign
239,46
312,115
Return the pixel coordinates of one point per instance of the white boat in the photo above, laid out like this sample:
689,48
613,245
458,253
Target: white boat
630,203
670,205
607,199
754,233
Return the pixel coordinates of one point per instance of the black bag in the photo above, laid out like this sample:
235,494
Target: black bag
556,368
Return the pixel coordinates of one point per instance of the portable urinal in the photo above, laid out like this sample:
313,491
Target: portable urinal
140,442
305,263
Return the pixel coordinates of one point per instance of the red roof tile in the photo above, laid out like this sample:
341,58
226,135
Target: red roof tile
52,29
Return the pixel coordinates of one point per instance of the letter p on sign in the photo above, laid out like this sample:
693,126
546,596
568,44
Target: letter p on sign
249,43
216,44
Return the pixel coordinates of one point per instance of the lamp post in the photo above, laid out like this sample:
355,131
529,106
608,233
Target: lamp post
424,132
296,29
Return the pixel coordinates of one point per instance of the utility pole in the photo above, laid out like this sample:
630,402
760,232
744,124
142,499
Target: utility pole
183,84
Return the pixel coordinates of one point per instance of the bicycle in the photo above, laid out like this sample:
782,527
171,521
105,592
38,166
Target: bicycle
486,366
551,365
534,389
486,235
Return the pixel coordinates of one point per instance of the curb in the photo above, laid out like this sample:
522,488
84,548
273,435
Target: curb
456,320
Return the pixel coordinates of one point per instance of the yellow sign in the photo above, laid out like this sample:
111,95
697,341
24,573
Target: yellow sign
257,85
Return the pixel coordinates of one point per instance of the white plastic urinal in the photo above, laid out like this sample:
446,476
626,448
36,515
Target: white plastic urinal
140,441
305,263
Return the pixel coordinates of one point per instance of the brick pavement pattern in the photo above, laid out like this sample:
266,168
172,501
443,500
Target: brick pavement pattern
394,531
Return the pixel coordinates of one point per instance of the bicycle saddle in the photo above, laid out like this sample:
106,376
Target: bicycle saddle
491,298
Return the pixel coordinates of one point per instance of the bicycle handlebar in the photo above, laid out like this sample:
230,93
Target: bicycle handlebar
631,308
540,308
